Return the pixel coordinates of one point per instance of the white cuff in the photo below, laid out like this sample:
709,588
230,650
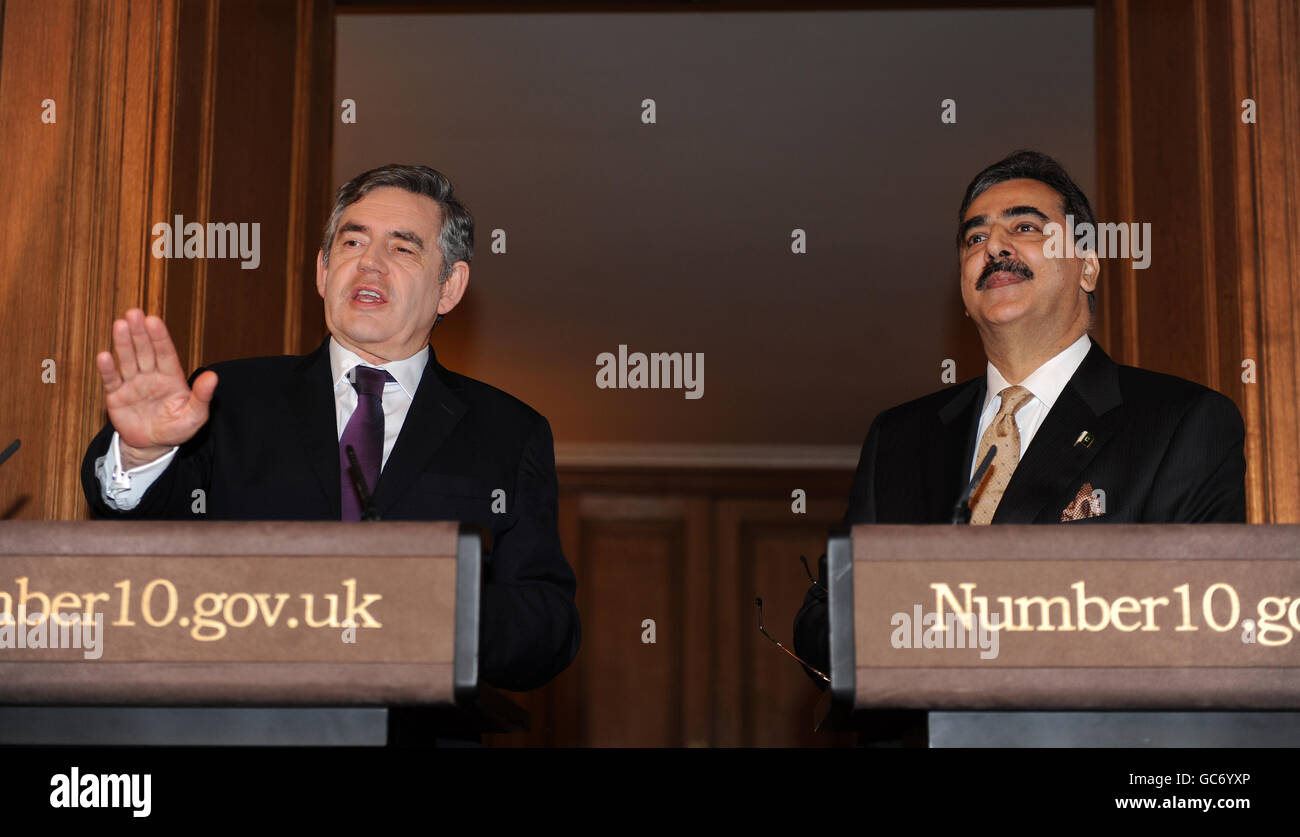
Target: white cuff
121,489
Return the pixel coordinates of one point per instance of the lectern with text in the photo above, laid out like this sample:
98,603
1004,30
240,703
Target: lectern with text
283,615
981,625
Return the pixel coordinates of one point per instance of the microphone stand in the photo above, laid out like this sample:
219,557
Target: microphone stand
961,512
9,451
368,510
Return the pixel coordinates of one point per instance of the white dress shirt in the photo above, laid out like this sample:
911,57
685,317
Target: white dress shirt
122,490
1046,383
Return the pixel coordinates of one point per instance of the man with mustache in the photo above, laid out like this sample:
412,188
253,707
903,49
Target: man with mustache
265,438
1078,437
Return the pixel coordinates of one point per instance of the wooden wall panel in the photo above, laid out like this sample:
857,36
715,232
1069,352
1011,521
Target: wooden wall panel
768,701
189,193
1164,104
74,249
690,549
1266,62
252,120
212,109
310,192
640,557
1220,195
268,128
253,130
633,572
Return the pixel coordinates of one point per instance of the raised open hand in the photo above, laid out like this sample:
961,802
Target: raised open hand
150,404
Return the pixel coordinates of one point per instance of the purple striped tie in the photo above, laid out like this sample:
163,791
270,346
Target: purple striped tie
365,433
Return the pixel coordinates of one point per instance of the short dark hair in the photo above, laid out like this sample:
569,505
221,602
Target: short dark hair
455,239
1031,165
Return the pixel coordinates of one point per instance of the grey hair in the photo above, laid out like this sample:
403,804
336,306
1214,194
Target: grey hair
455,239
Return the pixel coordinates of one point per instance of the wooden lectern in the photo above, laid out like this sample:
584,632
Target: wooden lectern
288,633
1072,635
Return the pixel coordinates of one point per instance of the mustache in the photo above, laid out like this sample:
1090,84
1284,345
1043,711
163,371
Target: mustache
1003,265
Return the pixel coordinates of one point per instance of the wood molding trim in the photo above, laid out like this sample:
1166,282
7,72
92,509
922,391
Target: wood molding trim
1267,167
1245,172
207,111
1205,174
120,94
306,73
622,455
315,115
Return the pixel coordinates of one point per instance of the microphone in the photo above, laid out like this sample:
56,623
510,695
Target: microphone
368,510
961,511
8,452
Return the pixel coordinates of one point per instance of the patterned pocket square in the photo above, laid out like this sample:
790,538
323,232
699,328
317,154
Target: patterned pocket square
1085,504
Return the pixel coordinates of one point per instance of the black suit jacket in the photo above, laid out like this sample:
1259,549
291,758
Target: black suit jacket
269,451
1164,450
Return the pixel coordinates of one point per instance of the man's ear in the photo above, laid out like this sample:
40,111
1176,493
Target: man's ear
1091,270
320,273
453,287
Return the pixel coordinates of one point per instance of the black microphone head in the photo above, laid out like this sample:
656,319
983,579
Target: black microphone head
368,510
962,511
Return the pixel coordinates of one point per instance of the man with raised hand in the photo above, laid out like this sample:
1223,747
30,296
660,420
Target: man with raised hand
266,438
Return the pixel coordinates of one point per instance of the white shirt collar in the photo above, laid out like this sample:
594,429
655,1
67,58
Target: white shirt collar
406,372
1047,381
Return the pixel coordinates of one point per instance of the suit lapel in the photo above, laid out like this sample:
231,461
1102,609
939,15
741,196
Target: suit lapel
1053,462
435,410
310,398
948,467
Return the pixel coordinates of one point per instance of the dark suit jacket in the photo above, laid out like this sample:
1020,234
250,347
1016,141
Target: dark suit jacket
269,451
1164,450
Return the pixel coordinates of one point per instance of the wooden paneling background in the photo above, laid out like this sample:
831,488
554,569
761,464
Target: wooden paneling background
690,550
217,110
81,190
1221,196
221,110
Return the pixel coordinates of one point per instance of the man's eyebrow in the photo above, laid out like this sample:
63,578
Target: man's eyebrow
404,235
977,221
980,220
407,235
1024,210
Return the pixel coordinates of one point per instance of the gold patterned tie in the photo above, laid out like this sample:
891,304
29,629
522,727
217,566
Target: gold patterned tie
1003,433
